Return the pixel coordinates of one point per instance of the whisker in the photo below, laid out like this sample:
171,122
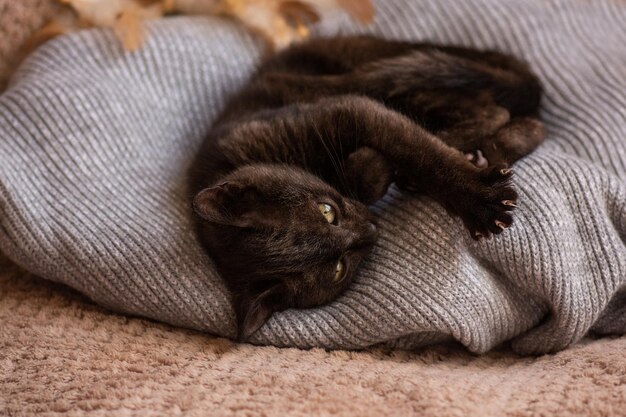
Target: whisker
328,151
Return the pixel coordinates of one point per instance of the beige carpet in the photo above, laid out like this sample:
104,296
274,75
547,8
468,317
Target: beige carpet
62,356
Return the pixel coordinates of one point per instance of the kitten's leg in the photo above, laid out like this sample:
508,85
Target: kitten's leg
481,197
368,175
412,80
513,141
482,130
463,100
486,110
464,126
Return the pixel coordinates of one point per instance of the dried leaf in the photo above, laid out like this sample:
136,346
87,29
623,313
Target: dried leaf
44,34
360,10
125,17
297,12
101,13
65,21
168,6
281,22
211,7
129,29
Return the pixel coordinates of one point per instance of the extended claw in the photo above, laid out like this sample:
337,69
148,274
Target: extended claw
501,225
509,203
477,159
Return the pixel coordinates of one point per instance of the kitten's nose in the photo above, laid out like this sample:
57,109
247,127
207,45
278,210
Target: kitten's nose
368,236
373,232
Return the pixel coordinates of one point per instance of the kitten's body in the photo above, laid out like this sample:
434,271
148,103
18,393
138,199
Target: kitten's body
332,123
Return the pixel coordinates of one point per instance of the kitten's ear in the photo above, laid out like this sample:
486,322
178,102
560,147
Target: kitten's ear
253,311
228,203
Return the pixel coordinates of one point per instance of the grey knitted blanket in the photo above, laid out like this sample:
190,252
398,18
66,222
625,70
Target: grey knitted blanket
95,144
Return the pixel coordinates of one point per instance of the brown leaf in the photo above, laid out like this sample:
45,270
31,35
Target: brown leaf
44,34
298,13
360,10
168,6
129,29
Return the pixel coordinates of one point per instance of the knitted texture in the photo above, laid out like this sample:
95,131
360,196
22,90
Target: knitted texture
95,144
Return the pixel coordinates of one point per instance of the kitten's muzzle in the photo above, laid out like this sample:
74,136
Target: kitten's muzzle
367,237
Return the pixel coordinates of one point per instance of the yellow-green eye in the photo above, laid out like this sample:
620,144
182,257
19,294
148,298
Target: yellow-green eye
340,270
328,212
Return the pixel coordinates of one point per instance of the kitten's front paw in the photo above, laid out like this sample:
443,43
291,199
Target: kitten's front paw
487,199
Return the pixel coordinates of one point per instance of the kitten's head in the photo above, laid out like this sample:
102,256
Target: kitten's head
280,238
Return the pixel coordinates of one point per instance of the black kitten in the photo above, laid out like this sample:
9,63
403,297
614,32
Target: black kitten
282,183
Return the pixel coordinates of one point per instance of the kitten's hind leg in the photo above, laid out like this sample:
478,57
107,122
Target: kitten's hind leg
482,130
507,144
513,141
466,127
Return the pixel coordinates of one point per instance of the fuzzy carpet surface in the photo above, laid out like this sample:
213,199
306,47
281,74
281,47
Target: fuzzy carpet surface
60,355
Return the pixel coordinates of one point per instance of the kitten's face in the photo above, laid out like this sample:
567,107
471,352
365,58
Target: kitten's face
282,238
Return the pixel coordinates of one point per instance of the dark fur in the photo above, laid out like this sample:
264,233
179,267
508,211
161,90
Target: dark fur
337,121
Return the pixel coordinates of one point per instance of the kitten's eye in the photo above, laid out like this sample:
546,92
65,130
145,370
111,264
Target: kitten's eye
328,212
340,270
